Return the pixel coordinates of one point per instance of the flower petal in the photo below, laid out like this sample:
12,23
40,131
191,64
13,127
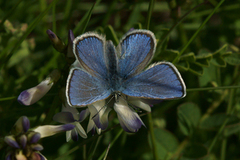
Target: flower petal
70,45
92,127
8,156
138,103
11,141
23,140
21,125
42,156
74,111
99,114
49,130
32,95
129,118
57,43
37,147
80,130
74,135
35,156
83,114
64,117
68,135
20,156
35,138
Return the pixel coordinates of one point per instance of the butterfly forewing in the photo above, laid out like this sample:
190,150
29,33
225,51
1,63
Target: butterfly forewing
84,89
160,81
135,51
89,50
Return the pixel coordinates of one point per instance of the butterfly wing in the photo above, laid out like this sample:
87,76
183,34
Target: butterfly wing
135,51
89,50
160,81
84,89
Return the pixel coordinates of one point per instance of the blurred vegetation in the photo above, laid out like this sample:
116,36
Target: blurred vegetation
204,125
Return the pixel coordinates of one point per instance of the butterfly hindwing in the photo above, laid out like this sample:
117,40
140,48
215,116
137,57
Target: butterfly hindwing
84,89
159,81
135,51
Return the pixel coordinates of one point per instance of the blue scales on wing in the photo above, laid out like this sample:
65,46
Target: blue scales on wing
89,50
84,89
160,81
135,51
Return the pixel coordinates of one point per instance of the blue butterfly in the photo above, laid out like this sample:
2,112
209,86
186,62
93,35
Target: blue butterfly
107,71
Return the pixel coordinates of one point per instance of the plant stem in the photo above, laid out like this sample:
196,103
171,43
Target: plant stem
214,105
150,9
154,146
91,154
212,88
223,148
84,152
220,131
198,30
110,145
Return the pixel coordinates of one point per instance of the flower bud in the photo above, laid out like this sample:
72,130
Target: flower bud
32,95
49,130
22,125
70,44
57,43
11,141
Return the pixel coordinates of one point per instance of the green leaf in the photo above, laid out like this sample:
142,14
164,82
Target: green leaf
111,35
213,122
202,62
218,61
218,55
166,142
221,50
232,129
233,59
203,54
188,117
194,151
209,75
190,57
183,65
196,69
203,58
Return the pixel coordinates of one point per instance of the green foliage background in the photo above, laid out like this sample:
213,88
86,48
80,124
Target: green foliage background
203,125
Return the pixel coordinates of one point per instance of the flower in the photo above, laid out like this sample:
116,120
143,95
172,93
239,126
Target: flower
71,115
60,46
32,95
23,143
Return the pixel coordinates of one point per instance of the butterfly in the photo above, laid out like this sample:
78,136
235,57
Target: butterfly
106,70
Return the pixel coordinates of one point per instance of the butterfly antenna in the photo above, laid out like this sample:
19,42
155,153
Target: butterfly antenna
102,107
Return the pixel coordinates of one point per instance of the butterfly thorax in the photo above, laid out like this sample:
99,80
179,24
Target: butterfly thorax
115,83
